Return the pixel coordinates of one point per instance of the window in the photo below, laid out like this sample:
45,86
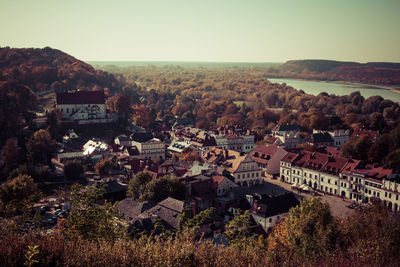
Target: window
322,179
329,181
270,220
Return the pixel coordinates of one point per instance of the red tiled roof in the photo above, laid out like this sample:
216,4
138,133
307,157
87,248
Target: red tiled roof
303,157
263,153
289,157
81,97
371,134
317,161
334,165
218,179
351,165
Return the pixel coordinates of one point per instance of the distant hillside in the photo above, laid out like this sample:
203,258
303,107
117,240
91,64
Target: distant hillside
50,69
384,73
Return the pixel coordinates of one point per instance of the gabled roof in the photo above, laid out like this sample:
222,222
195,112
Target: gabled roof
141,137
351,165
334,165
81,97
131,208
288,128
263,153
169,210
317,161
289,157
269,206
321,138
229,159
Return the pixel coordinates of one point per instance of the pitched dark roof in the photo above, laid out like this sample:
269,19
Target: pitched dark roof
141,137
132,208
271,206
288,128
322,138
81,97
168,210
114,186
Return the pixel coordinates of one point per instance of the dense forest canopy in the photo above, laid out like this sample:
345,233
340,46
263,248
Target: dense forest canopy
384,73
243,96
50,69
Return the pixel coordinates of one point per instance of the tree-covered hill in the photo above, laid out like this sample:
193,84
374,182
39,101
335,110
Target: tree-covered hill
50,69
372,72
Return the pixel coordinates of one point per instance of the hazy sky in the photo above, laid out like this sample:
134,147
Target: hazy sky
202,30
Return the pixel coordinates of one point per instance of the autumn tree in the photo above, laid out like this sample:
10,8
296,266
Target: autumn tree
54,122
357,148
103,166
9,154
121,105
309,231
41,147
142,116
73,170
373,235
18,194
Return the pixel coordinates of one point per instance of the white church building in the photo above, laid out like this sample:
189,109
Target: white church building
82,105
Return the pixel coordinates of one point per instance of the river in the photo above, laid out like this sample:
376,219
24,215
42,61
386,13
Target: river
338,88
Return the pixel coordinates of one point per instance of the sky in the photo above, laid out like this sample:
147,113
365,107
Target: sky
203,30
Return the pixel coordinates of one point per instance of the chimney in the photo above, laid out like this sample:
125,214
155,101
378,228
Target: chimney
255,205
250,200
193,206
225,153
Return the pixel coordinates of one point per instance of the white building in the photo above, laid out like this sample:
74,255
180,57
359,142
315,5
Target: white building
267,211
243,169
148,147
341,177
339,136
241,143
288,135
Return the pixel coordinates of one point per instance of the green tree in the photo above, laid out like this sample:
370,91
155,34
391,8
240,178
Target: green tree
188,221
137,185
41,147
73,170
161,188
18,194
239,228
392,161
89,219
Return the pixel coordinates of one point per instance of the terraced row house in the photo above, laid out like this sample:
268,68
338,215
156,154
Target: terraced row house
349,178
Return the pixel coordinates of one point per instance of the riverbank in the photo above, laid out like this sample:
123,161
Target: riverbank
315,87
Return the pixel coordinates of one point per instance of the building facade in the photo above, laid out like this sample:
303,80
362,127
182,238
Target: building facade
82,105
